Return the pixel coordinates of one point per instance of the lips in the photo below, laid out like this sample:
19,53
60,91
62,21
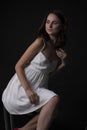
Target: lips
50,30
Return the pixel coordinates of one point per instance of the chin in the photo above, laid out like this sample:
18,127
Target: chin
50,33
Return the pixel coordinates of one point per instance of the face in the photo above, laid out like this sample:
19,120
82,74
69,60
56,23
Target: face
52,25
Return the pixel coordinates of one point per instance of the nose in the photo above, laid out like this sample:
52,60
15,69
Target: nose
50,25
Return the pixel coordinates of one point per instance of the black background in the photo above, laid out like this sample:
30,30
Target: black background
19,22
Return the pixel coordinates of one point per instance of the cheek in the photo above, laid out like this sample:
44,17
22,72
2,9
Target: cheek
57,29
46,26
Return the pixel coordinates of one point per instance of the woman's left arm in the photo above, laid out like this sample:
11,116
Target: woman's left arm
62,55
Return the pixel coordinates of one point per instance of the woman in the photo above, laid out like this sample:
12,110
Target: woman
27,96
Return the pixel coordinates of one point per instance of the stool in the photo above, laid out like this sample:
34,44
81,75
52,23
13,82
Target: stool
8,120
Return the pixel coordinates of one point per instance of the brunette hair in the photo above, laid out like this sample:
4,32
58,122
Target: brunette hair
61,36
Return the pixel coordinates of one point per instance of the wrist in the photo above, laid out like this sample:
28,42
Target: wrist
28,89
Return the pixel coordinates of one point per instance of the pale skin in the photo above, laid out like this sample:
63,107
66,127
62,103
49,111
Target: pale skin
45,114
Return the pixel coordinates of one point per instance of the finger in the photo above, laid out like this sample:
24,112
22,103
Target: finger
32,99
37,99
61,50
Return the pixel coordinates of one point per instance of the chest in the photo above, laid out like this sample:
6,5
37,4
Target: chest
50,53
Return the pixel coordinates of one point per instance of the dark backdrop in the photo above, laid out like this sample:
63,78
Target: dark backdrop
19,22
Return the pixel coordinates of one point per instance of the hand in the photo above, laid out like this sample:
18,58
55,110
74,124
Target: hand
61,54
34,98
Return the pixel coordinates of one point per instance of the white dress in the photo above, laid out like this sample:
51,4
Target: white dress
14,97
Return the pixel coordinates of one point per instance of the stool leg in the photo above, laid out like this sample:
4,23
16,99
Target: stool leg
11,122
6,119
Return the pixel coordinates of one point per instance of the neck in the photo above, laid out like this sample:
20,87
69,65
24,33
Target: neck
53,39
54,43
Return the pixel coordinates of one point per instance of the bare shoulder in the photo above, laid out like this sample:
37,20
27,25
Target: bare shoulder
39,39
31,51
37,43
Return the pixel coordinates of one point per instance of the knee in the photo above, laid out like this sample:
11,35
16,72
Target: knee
56,100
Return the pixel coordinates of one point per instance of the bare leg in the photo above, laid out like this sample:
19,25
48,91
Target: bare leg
31,125
46,114
44,118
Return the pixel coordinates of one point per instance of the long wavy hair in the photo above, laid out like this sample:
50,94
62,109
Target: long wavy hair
61,36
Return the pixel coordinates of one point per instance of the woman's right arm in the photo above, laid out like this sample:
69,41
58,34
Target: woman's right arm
26,58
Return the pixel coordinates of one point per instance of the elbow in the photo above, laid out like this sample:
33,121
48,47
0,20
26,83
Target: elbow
18,67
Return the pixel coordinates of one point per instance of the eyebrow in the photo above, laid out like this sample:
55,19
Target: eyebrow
53,20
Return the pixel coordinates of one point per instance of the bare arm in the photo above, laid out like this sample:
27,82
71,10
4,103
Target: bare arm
26,58
62,55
